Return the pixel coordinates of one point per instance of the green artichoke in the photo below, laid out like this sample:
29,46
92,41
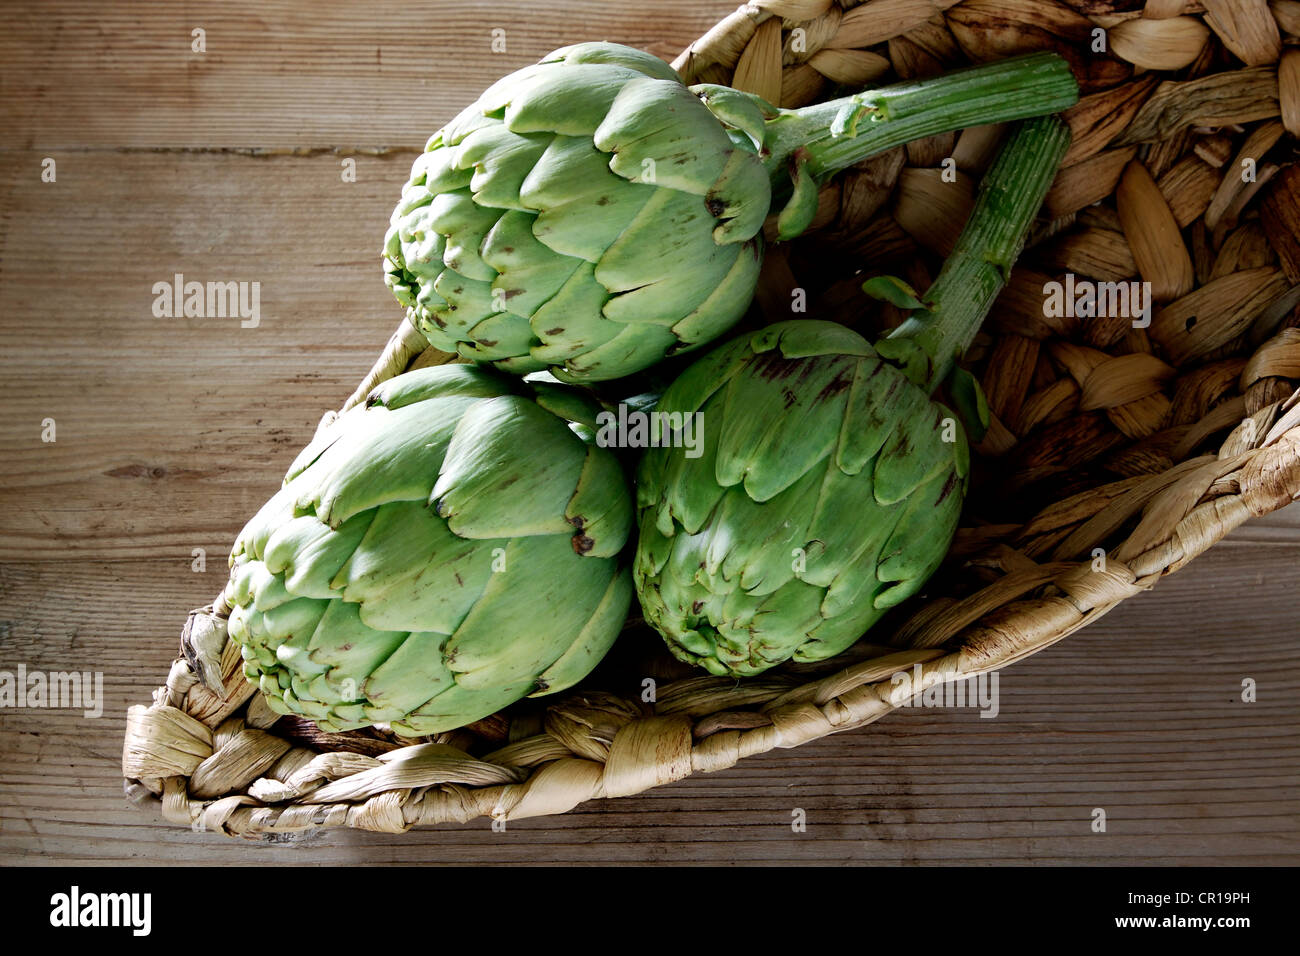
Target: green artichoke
591,215
829,483
446,549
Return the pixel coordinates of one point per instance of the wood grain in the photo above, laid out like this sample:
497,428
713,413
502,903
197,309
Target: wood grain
288,73
171,432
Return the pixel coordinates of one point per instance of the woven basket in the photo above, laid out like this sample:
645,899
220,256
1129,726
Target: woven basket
1116,455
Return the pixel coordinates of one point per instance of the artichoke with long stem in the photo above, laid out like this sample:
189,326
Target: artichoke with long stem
590,214
830,481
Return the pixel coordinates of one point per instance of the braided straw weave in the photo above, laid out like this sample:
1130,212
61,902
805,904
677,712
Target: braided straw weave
1116,454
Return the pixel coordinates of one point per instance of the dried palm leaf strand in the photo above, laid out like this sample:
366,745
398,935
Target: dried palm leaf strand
931,210
1087,182
1246,248
1161,9
1188,188
1123,379
1242,172
879,20
1279,212
1141,417
758,70
1246,27
1167,44
1287,15
1101,119
1200,389
1288,83
1096,252
1008,373
1221,99
1201,321
796,10
1153,235
1050,404
1279,357
855,68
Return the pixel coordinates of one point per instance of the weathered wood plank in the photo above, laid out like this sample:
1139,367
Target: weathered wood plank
162,417
282,72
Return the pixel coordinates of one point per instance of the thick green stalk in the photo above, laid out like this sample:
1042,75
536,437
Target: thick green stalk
830,136
1009,197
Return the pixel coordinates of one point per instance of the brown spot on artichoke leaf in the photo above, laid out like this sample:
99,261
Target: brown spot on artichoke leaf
581,543
602,201
948,487
487,343
772,365
715,206
555,331
839,383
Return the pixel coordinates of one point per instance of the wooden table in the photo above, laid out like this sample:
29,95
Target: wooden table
227,165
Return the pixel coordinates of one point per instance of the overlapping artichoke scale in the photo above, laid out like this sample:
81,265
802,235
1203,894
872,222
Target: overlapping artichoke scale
395,459
582,207
670,238
725,305
571,324
500,160
779,419
662,123
501,339
410,572
572,101
625,56
481,491
621,355
465,224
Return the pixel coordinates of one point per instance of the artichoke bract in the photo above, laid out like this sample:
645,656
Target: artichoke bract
445,549
591,215
830,482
